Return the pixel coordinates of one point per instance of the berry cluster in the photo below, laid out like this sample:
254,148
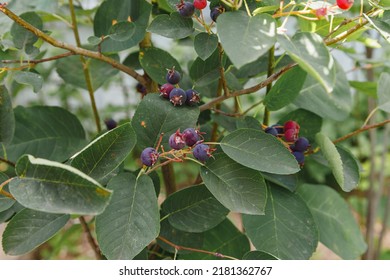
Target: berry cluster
187,9
175,94
190,137
290,132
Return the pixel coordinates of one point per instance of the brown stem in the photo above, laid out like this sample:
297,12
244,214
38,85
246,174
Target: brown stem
271,68
8,162
74,49
90,238
252,89
3,192
169,178
222,71
33,62
178,248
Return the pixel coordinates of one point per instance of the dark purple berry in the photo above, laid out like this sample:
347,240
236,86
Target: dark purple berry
110,124
166,89
202,152
215,12
173,77
279,128
176,141
186,9
178,97
291,135
192,97
271,130
300,157
149,156
190,136
301,144
141,88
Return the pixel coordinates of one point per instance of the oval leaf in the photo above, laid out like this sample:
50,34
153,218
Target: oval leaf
54,187
172,26
193,209
29,78
135,11
246,38
29,229
122,31
238,188
260,151
105,153
131,220
155,115
23,38
47,132
7,117
337,226
309,50
287,230
258,255
224,239
205,44
204,72
383,92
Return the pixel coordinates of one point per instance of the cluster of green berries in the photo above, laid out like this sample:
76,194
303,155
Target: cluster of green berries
176,95
187,9
290,132
190,137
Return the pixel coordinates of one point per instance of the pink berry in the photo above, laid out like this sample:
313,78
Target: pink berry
200,4
321,12
291,135
291,125
345,4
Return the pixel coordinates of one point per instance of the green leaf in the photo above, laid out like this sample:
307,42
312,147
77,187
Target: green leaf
156,115
137,11
383,28
105,153
23,38
155,62
193,209
224,239
248,122
310,123
29,229
205,44
54,187
204,72
383,92
172,26
285,90
289,182
94,41
47,132
122,31
309,50
71,71
29,78
131,220
178,237
287,230
367,87
258,255
338,229
7,117
334,106
246,38
238,188
260,151
343,165
5,203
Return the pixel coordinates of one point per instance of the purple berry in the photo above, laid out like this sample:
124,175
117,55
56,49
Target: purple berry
279,128
215,12
178,97
173,77
300,157
190,136
110,124
192,97
186,9
202,152
166,89
141,88
271,130
149,156
301,144
176,141
291,135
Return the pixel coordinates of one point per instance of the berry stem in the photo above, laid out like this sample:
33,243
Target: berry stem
3,192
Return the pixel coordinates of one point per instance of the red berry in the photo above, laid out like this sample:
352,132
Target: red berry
200,4
345,4
291,125
291,135
321,12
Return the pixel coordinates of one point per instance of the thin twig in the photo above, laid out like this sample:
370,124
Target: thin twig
90,238
8,162
3,192
33,62
222,71
84,52
270,71
178,247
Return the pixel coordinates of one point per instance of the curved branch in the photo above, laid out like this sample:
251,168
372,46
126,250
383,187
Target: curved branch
76,50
